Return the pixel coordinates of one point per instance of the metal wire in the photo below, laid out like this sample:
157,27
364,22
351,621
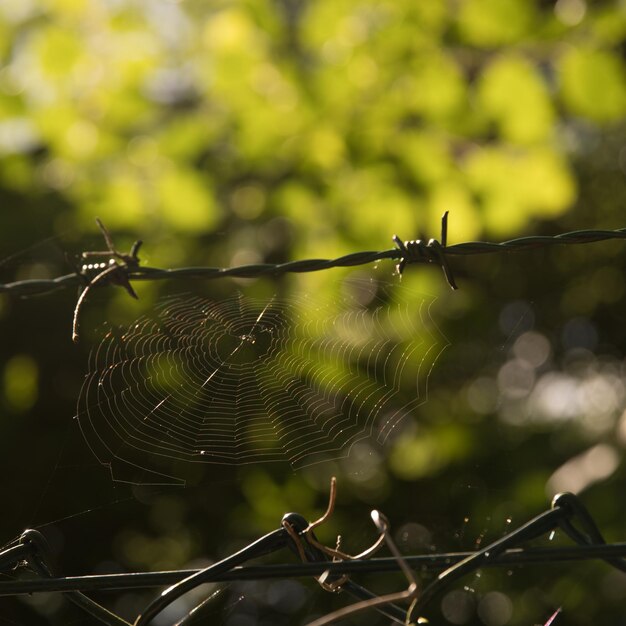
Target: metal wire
120,269
567,513
407,252
426,563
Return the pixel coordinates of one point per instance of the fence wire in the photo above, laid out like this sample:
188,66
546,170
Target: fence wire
111,267
333,569
128,268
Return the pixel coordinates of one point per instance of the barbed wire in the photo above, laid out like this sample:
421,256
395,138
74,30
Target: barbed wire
406,252
120,268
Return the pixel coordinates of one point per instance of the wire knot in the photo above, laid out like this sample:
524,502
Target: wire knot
309,548
420,251
115,270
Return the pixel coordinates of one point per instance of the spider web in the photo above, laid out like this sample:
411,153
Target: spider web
247,381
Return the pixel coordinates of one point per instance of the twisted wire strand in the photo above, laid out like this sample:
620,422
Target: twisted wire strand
433,563
407,253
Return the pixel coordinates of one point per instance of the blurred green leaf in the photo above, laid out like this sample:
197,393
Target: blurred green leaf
512,94
21,381
515,184
186,200
436,88
593,83
57,51
489,23
427,453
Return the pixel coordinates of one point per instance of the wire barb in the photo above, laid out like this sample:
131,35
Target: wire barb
388,600
418,251
307,539
116,271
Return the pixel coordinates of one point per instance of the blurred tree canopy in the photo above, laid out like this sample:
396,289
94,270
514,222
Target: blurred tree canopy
242,131
186,115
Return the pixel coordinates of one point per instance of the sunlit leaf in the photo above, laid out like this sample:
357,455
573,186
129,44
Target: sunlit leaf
122,202
593,84
514,185
425,155
437,89
57,50
186,201
488,23
512,94
418,456
66,8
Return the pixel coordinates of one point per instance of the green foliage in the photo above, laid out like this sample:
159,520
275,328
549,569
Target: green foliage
515,98
113,100
20,382
490,23
594,83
